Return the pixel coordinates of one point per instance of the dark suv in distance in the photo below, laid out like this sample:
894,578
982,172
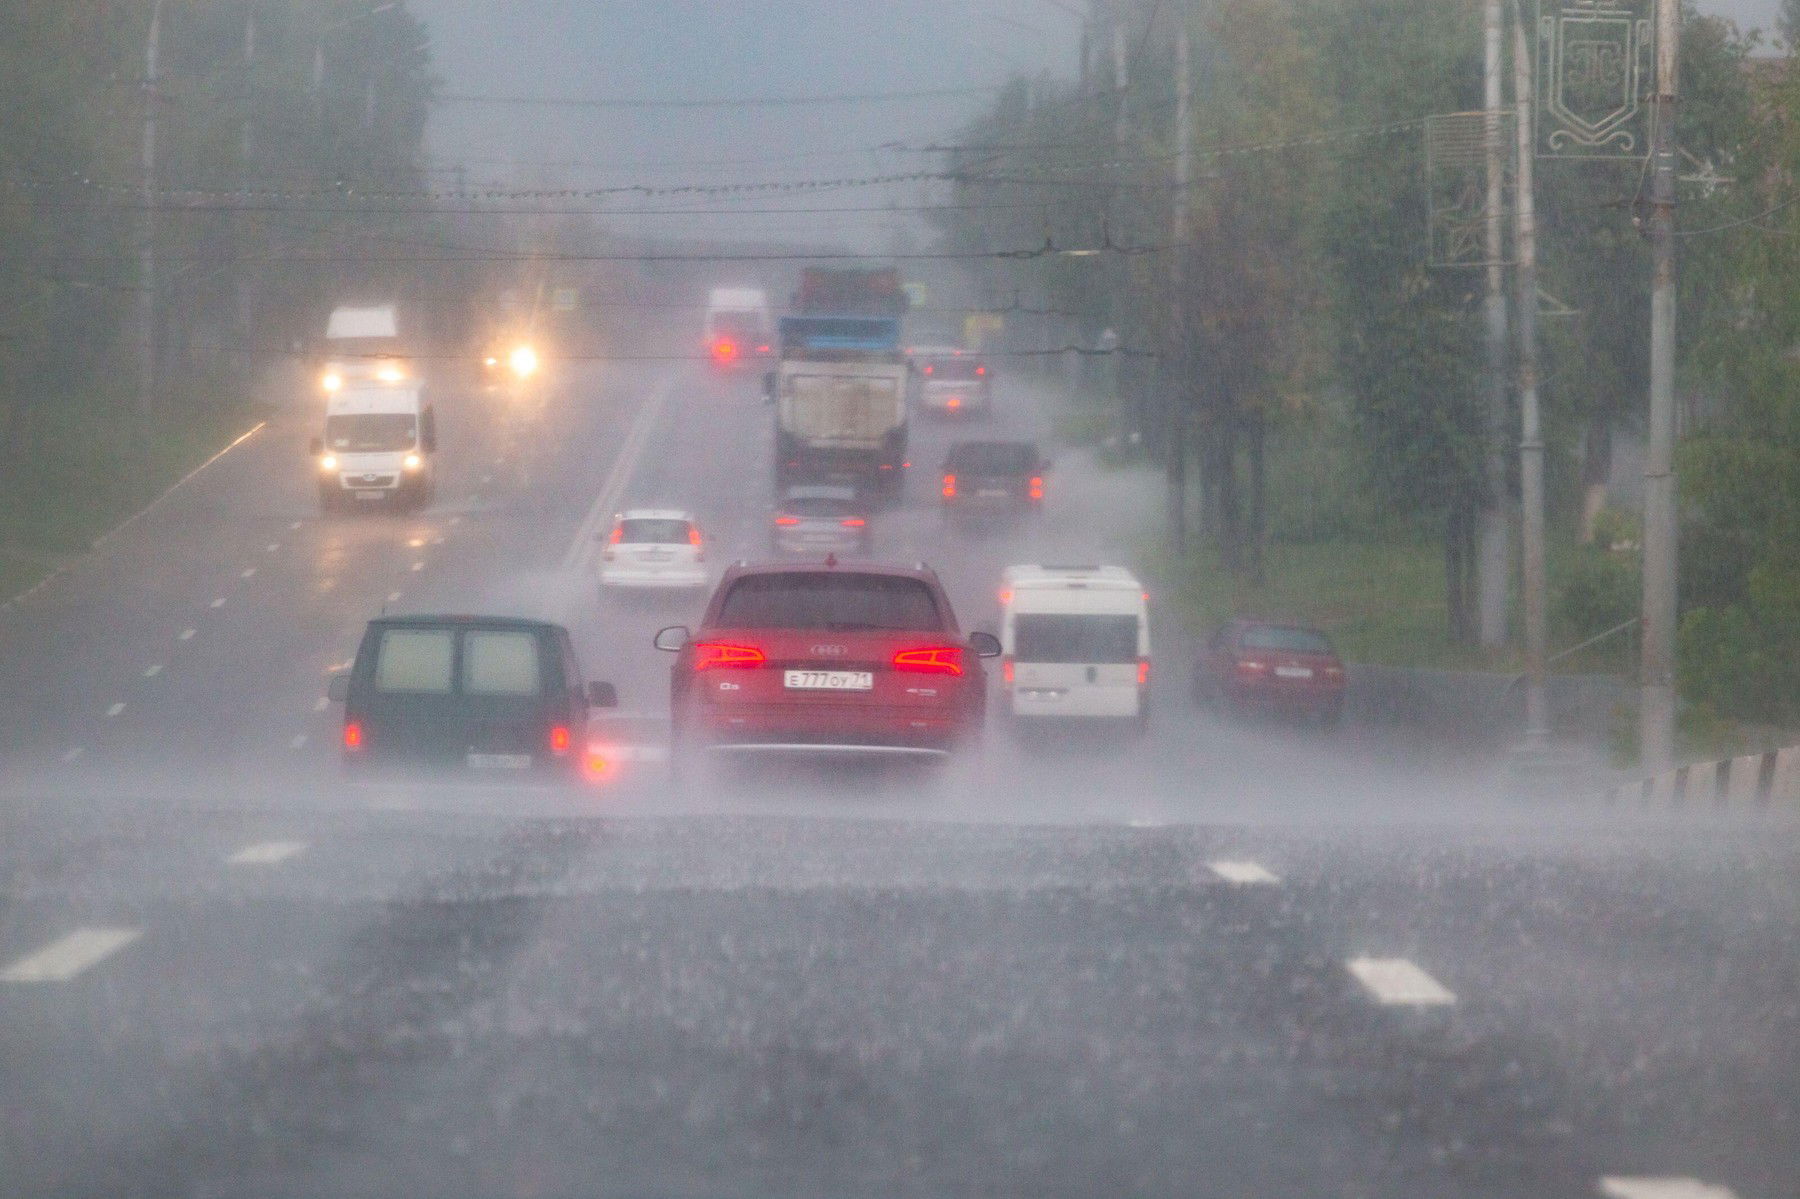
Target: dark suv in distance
827,660
498,695
988,476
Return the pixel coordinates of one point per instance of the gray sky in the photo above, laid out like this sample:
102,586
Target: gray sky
700,49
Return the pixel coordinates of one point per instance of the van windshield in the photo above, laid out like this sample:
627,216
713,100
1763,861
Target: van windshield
829,601
1086,638
371,432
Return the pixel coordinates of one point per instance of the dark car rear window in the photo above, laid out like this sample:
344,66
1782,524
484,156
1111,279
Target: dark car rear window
421,661
996,457
653,531
1293,641
1085,638
839,600
821,507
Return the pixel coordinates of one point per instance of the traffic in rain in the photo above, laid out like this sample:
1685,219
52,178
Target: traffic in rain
1013,598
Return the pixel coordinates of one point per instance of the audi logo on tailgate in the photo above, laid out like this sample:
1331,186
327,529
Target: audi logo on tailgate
828,651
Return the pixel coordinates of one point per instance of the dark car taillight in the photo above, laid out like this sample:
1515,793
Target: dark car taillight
559,739
949,487
945,659
717,655
353,735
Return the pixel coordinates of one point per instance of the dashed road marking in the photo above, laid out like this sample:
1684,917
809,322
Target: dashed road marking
266,853
324,702
295,525
152,670
219,603
1398,982
63,959
186,635
1663,1188
415,543
299,741
72,754
456,520
418,566
1242,873
115,709
248,572
393,597
271,547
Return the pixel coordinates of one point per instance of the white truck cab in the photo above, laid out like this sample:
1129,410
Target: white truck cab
378,446
1075,642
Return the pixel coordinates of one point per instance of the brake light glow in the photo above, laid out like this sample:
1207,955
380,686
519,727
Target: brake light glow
1143,671
1006,670
693,535
787,520
953,402
559,738
949,487
762,349
1037,487
618,535
928,368
716,655
1006,595
981,370
724,350
353,735
946,659
853,522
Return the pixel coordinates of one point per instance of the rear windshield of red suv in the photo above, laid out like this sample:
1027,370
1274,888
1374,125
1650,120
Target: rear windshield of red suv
838,600
1293,641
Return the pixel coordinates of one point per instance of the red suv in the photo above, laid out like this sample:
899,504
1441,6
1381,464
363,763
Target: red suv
1269,666
823,658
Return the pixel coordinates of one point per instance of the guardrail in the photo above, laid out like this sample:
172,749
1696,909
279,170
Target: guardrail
1752,782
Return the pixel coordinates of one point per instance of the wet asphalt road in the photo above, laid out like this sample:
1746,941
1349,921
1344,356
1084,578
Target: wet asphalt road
1097,968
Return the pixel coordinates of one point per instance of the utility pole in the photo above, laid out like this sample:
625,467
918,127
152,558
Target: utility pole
146,297
1175,417
1531,435
1656,699
1494,537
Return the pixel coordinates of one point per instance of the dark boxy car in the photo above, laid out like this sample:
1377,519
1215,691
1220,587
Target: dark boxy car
990,475
820,520
827,659
498,695
1254,665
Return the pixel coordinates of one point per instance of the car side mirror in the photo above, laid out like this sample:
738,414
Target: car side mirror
672,639
985,645
338,689
316,446
602,695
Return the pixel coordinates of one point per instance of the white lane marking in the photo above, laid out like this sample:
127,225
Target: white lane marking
152,670
418,566
271,547
393,597
1398,982
158,502
63,959
115,709
1662,1188
415,543
248,572
74,753
295,525
1143,822
219,603
266,853
324,702
487,478
608,500
456,520
299,741
186,635
1242,873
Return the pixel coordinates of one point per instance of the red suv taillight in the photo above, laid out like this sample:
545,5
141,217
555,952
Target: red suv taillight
949,487
559,739
1006,670
853,522
716,655
353,734
946,659
1037,487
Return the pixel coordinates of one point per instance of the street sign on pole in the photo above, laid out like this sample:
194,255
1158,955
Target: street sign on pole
1593,69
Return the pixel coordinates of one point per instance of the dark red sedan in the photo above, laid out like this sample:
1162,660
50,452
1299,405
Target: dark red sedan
822,659
1268,666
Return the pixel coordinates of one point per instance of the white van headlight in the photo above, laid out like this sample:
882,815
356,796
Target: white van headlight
412,462
331,381
328,462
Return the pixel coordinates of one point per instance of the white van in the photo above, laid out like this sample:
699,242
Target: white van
1076,643
378,446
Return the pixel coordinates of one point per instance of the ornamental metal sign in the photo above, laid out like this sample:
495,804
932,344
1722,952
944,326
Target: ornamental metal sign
1593,65
1459,148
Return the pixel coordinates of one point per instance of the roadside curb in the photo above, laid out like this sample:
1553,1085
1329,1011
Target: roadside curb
1752,782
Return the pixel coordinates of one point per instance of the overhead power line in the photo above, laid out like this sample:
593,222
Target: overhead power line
936,93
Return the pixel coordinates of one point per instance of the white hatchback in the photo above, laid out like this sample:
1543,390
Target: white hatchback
653,548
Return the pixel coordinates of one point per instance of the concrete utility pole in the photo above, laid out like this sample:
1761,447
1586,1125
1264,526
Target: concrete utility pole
1656,700
1531,436
1175,421
1493,569
146,297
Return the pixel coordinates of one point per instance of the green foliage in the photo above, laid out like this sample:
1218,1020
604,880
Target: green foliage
1599,590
